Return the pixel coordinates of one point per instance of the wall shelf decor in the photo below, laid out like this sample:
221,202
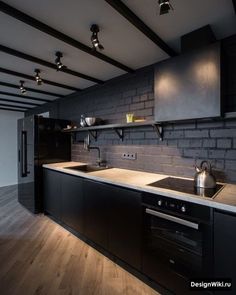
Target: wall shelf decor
118,128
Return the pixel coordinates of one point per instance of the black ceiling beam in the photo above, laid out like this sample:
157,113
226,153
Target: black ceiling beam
32,78
9,105
20,102
13,110
58,35
120,7
46,63
30,89
24,96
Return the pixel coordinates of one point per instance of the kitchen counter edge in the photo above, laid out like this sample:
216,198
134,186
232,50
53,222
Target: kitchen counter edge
225,199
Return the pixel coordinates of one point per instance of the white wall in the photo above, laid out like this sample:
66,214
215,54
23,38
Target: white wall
8,147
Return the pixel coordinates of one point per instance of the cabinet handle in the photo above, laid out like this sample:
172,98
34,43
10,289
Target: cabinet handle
172,218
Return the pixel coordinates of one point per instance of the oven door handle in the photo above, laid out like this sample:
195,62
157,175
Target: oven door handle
172,218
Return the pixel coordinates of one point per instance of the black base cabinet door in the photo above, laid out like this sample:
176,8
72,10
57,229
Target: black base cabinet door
225,247
113,220
95,212
52,193
72,202
125,225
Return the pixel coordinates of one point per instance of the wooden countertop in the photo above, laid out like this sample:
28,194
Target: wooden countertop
139,180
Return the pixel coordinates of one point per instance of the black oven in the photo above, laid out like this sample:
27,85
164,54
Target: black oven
177,242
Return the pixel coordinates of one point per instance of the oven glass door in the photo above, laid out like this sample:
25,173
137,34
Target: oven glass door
165,230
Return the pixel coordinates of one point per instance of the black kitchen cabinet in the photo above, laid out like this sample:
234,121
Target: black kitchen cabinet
52,193
113,219
72,202
224,247
125,224
96,212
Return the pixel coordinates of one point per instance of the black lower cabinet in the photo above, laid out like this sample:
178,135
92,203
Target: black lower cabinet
125,224
63,198
113,220
95,212
225,247
72,213
52,193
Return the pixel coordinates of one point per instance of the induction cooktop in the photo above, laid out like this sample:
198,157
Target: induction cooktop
186,186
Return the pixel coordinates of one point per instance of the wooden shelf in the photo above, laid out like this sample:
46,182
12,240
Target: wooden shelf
118,128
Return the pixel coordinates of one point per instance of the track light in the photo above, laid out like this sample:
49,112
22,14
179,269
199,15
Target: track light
58,62
22,88
38,79
94,38
165,6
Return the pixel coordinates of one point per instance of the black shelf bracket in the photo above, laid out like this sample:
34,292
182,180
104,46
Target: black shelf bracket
94,134
159,130
120,133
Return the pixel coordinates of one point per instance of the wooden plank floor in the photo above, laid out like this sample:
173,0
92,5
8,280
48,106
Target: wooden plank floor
37,256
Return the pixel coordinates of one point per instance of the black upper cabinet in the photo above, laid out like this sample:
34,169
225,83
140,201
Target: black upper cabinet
189,86
95,212
229,53
72,202
125,224
52,193
224,247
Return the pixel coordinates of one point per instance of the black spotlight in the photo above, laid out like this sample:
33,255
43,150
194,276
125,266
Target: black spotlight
165,6
22,88
58,62
38,79
94,38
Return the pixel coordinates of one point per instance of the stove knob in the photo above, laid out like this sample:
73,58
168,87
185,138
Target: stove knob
183,208
159,203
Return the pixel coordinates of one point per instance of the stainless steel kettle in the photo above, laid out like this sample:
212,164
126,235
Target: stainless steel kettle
203,177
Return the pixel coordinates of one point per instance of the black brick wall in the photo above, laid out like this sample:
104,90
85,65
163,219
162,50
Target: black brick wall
184,144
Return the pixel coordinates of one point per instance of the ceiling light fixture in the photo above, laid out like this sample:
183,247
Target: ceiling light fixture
94,38
165,6
58,62
38,79
22,88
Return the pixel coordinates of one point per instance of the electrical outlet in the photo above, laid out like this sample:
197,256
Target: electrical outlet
129,156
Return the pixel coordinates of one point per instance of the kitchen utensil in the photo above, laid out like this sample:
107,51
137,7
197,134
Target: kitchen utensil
82,121
204,177
129,118
90,121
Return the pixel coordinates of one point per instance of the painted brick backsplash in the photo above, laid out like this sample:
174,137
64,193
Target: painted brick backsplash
184,144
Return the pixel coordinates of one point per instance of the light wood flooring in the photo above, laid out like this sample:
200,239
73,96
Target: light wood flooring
38,256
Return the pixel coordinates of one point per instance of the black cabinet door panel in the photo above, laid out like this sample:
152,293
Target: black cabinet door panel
72,202
125,225
52,193
95,212
225,247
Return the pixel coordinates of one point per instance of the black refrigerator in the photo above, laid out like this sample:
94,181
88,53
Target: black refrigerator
40,141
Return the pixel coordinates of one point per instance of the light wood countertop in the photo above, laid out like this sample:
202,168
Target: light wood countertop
139,180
